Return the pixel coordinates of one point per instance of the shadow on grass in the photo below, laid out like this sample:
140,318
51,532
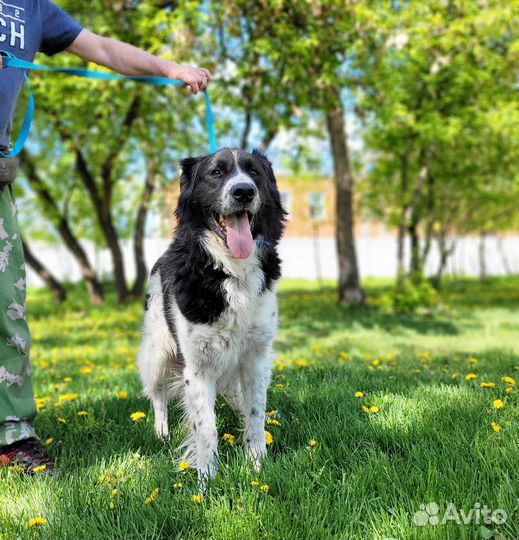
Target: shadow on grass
317,314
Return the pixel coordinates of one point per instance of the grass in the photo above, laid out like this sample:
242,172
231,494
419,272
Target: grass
431,440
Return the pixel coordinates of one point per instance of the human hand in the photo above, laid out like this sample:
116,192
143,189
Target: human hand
196,79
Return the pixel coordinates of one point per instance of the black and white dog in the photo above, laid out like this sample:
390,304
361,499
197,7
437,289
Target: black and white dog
211,310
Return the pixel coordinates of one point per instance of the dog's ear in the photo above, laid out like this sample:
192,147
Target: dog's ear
273,185
189,167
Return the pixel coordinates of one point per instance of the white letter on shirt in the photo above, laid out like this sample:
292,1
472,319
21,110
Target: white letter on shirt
3,36
17,34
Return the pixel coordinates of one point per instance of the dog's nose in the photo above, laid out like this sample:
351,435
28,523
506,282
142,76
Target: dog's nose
243,192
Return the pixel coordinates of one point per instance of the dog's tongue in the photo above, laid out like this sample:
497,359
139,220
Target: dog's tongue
239,236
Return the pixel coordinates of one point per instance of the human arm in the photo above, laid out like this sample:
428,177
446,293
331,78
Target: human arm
129,60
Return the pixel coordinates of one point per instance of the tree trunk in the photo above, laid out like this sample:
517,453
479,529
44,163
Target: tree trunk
268,137
400,253
350,291
102,199
445,252
246,131
482,257
105,222
54,285
416,210
504,258
416,261
400,245
51,209
138,237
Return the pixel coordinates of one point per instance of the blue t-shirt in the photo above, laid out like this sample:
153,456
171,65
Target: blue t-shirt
26,27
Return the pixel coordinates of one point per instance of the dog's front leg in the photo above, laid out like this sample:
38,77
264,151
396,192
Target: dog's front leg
200,395
255,378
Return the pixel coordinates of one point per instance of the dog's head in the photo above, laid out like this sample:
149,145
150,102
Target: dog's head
234,195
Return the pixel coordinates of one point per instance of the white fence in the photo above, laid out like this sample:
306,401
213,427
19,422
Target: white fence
303,257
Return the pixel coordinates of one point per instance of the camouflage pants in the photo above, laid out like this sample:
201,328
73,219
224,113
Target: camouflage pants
17,406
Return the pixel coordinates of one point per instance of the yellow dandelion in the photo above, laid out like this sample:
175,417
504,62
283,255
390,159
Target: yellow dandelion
254,484
114,493
370,410
496,427
359,394
68,397
272,413
85,370
37,522
470,376
264,488
67,379
111,505
454,376
122,394
268,438
312,443
178,485
183,466
151,499
487,385
472,360
508,380
197,499
229,438
62,420
137,416
49,441
40,468
498,404
279,386
509,389
82,413
273,422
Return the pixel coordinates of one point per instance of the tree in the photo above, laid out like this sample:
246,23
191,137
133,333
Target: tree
101,149
434,74
297,56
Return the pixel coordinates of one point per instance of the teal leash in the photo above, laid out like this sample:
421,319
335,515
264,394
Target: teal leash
10,61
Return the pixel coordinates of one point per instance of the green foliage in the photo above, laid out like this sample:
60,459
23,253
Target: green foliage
74,113
410,296
439,99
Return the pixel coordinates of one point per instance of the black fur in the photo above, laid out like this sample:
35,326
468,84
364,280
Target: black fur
187,270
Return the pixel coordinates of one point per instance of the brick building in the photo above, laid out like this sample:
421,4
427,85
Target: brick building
310,203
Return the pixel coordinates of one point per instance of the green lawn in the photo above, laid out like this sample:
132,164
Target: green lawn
431,440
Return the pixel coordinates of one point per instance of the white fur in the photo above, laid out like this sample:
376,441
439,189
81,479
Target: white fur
232,356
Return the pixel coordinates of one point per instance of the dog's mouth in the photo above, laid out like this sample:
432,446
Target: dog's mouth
235,231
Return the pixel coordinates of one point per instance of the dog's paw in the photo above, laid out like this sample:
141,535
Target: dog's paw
206,474
162,429
256,453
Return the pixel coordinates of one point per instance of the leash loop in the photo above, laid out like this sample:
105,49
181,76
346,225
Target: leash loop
10,61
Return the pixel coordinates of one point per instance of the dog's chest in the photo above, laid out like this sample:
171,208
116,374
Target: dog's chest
245,327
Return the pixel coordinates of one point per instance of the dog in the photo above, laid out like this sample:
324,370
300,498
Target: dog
211,310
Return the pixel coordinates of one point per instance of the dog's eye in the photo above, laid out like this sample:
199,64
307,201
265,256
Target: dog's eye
216,172
254,172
